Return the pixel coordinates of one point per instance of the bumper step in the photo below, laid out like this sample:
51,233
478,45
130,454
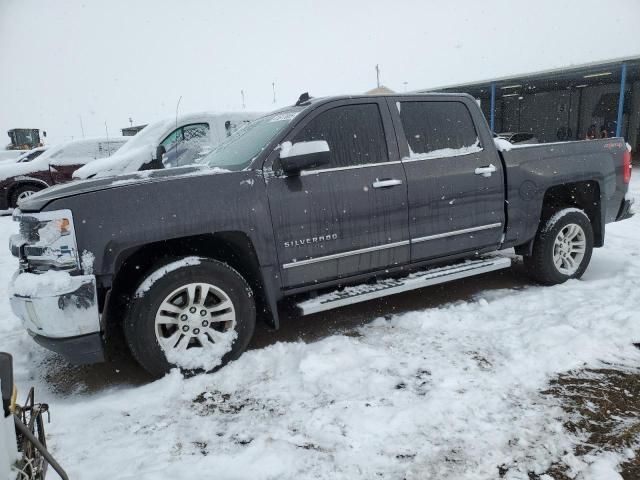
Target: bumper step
391,286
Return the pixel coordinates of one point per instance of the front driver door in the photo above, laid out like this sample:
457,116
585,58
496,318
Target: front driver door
347,217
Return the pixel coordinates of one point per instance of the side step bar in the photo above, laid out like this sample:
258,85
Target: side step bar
391,286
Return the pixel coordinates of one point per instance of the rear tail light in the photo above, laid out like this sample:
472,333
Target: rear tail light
626,166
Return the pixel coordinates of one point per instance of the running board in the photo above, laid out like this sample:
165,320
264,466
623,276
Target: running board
391,286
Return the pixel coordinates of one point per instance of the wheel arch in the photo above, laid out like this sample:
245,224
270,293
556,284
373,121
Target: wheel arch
232,247
584,194
24,181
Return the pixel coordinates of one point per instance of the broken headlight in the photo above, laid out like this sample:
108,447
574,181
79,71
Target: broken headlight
46,241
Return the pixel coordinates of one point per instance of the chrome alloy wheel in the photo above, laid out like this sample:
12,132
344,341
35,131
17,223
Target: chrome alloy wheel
569,249
196,315
25,194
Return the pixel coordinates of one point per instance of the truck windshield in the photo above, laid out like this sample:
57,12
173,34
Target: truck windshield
237,151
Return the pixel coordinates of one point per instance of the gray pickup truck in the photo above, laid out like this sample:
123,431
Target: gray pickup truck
329,202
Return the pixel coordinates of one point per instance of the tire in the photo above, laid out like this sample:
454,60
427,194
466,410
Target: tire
556,257
178,287
23,191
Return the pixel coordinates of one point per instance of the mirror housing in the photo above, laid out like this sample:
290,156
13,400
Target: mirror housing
160,151
303,155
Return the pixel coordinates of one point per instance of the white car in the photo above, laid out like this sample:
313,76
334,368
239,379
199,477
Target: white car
173,142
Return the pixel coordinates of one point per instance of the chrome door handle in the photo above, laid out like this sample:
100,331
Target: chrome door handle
485,171
389,182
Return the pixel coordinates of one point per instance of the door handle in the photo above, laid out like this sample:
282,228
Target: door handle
486,171
387,182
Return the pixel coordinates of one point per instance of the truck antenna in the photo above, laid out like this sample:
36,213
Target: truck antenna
378,75
242,95
106,129
81,126
177,107
273,85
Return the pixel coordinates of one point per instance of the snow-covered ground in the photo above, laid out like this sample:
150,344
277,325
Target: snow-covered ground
453,392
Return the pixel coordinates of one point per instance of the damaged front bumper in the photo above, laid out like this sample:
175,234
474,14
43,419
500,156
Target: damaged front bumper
64,319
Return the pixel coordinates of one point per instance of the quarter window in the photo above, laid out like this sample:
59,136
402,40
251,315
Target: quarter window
432,127
354,133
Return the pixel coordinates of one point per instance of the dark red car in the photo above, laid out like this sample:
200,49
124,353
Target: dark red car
22,179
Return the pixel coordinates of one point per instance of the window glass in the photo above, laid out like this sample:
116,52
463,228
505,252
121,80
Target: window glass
237,151
195,132
186,144
434,127
173,138
354,133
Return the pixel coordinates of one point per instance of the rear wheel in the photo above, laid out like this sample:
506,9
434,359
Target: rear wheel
562,248
23,192
194,313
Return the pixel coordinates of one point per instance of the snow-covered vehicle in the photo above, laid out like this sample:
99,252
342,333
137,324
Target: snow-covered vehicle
21,179
328,203
11,155
24,156
31,154
169,143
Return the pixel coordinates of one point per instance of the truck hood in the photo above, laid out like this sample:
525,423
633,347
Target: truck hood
41,199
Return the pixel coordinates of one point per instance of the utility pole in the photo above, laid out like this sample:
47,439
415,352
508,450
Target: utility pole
130,122
273,85
242,95
405,85
378,75
81,126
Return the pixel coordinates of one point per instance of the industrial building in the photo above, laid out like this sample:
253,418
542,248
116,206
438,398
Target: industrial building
573,103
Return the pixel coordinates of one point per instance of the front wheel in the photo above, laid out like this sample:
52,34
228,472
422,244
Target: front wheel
562,248
194,313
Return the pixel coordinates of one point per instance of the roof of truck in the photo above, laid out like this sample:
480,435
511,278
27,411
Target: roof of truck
314,100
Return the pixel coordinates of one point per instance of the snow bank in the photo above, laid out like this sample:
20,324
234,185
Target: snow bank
206,358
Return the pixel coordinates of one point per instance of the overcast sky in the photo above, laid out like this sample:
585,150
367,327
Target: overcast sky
106,61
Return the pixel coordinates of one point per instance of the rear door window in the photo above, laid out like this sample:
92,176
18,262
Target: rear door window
438,128
354,133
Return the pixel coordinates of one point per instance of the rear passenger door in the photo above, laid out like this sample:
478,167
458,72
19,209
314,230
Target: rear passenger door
350,216
455,189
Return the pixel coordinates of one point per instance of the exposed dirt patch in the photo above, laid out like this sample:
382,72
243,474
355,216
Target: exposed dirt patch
604,410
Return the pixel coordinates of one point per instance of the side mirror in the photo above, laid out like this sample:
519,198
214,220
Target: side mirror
6,380
303,155
160,151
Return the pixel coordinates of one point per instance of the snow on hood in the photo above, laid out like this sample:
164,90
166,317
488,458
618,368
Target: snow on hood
122,162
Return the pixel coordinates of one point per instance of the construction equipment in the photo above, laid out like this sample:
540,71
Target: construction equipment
24,138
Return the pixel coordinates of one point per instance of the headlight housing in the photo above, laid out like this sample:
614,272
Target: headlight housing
47,241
